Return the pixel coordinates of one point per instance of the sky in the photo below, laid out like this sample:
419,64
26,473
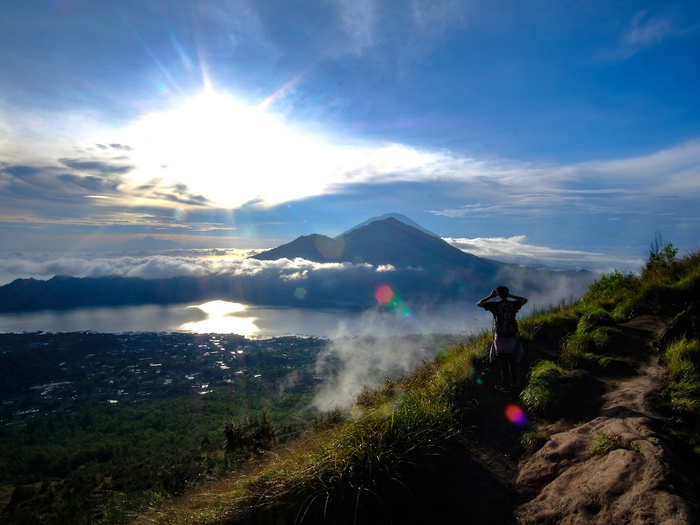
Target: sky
561,132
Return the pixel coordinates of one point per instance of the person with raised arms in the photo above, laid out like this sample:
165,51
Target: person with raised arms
506,350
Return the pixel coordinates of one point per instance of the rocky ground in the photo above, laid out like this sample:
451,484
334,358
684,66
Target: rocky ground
619,467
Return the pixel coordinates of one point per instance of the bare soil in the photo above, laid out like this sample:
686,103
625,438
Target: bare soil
619,467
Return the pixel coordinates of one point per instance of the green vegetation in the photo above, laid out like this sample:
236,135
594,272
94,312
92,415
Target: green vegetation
533,440
605,443
103,462
551,390
592,318
682,357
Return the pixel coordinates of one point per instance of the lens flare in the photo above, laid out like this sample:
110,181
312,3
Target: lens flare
384,294
300,293
516,415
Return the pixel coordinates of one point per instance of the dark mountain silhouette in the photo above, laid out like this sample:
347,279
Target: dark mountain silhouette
383,241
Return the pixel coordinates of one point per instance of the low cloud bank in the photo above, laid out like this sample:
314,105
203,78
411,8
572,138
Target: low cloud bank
164,266
515,249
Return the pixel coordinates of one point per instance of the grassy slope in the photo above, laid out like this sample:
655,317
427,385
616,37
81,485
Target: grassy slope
404,448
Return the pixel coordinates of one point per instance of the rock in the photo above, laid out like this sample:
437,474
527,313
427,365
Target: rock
617,468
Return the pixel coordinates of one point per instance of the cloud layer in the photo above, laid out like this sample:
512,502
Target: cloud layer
515,249
164,266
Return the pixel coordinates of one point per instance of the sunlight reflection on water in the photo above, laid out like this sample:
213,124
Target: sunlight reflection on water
223,317
253,321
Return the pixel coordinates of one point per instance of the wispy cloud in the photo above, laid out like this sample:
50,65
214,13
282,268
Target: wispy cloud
606,186
433,16
515,249
358,20
371,26
646,30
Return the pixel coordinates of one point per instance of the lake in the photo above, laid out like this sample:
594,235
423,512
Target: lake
248,320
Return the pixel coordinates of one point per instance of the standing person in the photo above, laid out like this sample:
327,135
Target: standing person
506,351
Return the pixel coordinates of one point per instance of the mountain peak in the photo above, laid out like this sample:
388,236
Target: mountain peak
395,216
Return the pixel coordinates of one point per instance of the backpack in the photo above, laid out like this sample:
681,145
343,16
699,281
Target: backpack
505,323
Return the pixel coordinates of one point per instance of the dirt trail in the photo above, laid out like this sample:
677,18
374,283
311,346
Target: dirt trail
634,478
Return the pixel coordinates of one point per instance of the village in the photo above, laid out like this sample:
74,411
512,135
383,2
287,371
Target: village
58,373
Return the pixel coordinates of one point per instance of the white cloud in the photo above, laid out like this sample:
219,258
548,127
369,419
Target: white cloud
163,266
220,150
515,249
645,30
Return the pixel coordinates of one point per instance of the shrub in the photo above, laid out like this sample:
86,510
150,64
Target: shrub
603,444
682,359
577,351
552,324
533,440
593,318
611,289
373,397
661,265
604,337
546,388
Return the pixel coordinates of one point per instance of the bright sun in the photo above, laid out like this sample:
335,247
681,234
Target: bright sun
233,153
221,148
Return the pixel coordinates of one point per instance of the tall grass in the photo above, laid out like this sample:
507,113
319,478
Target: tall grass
682,358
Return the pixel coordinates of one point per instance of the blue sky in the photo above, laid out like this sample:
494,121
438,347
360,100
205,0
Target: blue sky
546,130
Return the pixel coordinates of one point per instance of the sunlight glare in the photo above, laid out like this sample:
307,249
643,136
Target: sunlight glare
220,319
233,153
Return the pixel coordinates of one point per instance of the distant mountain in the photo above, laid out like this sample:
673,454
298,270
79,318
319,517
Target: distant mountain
147,244
382,242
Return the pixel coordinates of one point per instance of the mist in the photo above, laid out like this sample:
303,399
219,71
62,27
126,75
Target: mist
365,354
371,349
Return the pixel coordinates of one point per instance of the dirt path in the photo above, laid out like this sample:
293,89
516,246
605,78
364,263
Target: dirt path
618,467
